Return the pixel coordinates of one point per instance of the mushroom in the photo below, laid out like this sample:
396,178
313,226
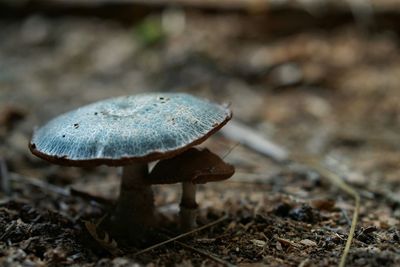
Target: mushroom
129,131
191,167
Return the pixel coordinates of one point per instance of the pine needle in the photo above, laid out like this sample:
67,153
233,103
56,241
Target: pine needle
336,180
202,252
181,236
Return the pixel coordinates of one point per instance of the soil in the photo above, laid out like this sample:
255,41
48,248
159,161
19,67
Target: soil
331,91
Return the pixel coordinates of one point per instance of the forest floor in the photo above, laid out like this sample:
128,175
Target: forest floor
330,91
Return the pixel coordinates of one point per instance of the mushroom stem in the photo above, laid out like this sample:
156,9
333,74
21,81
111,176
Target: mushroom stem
134,212
188,207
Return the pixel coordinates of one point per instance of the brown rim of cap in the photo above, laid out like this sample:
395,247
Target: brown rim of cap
125,160
212,170
199,178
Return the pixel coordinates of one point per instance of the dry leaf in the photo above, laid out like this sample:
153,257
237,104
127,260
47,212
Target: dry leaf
107,242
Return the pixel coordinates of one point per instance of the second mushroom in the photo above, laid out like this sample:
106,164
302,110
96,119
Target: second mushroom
192,167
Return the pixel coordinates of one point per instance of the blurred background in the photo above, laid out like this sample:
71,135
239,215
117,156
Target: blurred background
314,76
318,77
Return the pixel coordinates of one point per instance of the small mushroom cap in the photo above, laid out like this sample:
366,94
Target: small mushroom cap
194,165
128,129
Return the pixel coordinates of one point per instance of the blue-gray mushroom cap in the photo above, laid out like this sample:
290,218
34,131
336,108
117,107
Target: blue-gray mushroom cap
127,129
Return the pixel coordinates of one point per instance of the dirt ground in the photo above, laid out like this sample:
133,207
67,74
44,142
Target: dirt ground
329,89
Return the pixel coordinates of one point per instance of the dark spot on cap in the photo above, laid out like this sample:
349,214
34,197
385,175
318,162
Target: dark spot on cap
163,100
95,113
76,125
63,135
172,121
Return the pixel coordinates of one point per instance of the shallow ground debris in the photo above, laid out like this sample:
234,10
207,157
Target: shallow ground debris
344,105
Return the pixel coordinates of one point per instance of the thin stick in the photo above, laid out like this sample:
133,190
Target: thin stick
107,203
202,252
230,150
65,192
41,184
181,236
243,134
206,254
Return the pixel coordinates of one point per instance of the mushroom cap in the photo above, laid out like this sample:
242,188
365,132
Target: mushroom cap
194,165
123,130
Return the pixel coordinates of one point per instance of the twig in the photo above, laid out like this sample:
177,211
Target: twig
223,218
206,254
65,192
4,178
40,184
107,203
230,150
202,252
239,132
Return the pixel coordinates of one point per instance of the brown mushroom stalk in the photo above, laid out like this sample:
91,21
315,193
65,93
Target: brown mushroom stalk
188,207
188,199
134,205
